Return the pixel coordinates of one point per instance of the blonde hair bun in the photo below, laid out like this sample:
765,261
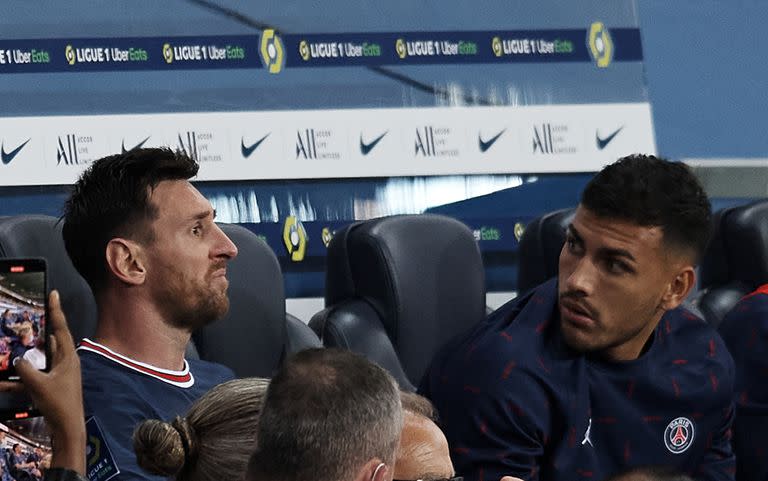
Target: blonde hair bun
162,448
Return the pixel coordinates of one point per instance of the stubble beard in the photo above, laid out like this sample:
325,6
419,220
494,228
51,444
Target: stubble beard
192,307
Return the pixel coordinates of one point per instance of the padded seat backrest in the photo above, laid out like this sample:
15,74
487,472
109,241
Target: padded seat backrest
40,236
540,248
416,281
736,260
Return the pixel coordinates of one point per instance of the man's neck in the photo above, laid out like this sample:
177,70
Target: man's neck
639,345
137,331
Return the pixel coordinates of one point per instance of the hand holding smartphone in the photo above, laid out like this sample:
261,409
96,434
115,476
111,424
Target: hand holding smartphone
57,393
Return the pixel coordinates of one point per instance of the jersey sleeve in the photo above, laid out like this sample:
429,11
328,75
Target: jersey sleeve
719,461
495,415
745,331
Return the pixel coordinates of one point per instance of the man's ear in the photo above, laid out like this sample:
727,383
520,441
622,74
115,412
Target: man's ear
679,288
374,470
125,259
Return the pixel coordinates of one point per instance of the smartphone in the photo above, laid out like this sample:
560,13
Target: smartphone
23,315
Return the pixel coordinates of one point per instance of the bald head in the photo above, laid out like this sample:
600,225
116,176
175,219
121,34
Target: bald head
650,473
423,451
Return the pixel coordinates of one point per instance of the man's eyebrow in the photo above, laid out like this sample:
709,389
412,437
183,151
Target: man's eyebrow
573,232
612,252
204,214
604,251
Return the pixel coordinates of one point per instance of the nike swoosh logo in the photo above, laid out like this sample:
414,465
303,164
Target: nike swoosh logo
7,157
366,148
487,145
602,143
137,146
247,151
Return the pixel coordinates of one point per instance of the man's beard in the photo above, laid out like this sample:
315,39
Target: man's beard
190,306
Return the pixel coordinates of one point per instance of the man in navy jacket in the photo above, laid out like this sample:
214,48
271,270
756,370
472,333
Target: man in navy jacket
600,369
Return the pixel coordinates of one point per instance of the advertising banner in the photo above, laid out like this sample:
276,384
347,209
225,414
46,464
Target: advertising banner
493,112
335,143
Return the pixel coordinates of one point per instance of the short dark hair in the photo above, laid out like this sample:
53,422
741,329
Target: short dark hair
650,191
327,412
111,199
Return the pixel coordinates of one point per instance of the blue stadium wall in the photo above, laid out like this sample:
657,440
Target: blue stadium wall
700,69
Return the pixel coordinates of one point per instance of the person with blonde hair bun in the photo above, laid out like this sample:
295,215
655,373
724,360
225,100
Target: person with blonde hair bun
212,442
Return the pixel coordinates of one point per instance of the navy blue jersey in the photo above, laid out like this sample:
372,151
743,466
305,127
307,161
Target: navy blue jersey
119,392
514,400
745,332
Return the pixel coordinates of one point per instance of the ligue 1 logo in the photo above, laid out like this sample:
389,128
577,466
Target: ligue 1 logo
167,53
326,235
519,230
600,44
304,50
679,435
271,50
496,45
69,53
400,48
295,238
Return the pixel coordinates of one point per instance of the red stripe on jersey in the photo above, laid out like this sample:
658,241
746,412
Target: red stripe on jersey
760,290
143,368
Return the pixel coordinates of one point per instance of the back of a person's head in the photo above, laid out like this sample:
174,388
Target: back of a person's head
214,441
423,451
111,199
650,191
417,404
326,415
650,473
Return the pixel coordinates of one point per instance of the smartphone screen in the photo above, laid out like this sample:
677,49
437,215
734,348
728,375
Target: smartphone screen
25,448
23,313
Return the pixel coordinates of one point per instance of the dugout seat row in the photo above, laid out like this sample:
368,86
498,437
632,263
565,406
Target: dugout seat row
736,261
397,289
253,337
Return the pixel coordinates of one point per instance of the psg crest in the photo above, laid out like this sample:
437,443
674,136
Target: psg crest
679,435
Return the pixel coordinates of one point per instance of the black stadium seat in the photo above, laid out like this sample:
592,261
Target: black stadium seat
398,288
540,248
300,336
736,261
40,236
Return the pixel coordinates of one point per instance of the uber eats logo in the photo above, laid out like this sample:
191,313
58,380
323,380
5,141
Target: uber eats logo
295,238
271,50
600,44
